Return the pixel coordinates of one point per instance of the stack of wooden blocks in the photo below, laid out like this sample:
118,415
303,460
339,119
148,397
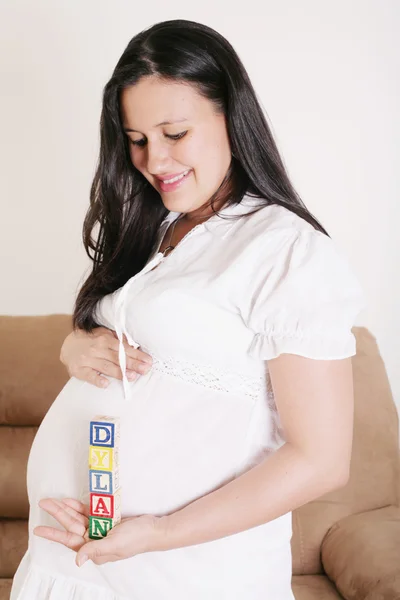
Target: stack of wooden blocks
105,493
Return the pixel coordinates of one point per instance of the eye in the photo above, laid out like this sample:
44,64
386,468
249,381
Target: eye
137,142
178,136
142,142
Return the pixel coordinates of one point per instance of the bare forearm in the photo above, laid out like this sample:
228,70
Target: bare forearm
281,483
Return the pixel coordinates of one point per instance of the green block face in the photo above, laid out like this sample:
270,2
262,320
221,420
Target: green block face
99,527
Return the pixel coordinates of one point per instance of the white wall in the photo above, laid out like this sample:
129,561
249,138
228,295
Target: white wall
326,73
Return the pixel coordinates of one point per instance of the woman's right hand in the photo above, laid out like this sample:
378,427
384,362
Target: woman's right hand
89,356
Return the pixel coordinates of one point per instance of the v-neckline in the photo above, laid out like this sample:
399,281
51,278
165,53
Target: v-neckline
165,257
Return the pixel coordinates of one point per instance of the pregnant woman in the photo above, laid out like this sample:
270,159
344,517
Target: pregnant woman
216,324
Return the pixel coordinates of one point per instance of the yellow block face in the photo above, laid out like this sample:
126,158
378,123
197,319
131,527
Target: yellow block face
101,458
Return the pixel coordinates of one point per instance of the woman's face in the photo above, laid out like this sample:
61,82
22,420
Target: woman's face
173,131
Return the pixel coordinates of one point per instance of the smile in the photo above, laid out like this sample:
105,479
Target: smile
177,178
170,185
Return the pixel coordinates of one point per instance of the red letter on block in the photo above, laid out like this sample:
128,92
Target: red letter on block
102,506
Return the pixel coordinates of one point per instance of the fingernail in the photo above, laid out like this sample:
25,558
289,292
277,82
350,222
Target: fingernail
144,368
82,559
104,383
131,376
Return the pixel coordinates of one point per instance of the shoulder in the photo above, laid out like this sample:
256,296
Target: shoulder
276,243
268,228
284,243
275,220
276,234
300,294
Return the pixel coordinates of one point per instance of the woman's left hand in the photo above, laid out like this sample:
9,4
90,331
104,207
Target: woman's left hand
131,536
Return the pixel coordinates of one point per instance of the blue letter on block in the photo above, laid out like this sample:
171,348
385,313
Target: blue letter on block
102,434
100,482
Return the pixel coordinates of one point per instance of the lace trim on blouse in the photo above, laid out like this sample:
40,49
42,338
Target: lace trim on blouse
211,377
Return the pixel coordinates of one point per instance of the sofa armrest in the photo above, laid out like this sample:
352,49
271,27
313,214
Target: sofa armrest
361,555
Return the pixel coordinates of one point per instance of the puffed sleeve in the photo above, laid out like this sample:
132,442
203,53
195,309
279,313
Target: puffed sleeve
301,297
105,311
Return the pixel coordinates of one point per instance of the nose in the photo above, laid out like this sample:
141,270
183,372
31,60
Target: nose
157,158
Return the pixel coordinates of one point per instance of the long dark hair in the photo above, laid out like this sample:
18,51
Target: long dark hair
125,212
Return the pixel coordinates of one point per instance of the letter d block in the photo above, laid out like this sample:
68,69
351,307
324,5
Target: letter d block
105,431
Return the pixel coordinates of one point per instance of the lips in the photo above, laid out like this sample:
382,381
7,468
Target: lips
166,179
169,187
171,176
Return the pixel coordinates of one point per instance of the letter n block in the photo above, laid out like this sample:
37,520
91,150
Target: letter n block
99,527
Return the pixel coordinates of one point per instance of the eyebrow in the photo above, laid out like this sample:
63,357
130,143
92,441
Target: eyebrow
127,129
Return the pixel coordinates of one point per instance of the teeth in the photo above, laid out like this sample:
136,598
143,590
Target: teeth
176,178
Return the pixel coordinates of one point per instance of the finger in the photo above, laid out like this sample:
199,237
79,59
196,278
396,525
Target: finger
134,353
135,361
77,505
107,342
79,516
56,509
103,347
105,365
133,365
98,550
137,366
67,538
130,353
138,354
105,559
92,376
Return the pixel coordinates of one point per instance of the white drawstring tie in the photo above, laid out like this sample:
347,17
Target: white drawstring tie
120,318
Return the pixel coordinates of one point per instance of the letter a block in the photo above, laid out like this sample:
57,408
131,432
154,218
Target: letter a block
105,497
106,506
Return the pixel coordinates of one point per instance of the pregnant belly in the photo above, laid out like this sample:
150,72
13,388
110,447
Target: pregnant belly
178,442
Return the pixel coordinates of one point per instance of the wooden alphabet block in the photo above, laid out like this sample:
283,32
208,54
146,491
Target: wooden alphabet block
106,505
99,527
103,482
105,432
103,459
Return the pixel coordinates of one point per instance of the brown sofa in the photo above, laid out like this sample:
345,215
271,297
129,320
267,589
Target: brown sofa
345,545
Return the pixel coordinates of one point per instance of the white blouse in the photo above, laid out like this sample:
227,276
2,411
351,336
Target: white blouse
287,284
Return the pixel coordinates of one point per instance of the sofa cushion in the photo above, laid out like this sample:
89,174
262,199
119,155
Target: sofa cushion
5,589
313,587
31,374
361,554
13,545
15,444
